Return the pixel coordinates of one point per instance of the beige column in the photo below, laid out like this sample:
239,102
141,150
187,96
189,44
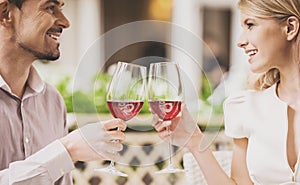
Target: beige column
239,68
88,31
186,44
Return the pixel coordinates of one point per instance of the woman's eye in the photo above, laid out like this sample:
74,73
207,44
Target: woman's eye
249,25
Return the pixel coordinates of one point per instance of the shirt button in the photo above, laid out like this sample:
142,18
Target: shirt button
26,140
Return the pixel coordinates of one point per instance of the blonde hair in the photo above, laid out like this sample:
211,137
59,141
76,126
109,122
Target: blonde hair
279,10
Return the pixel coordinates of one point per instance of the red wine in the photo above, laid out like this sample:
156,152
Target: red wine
166,110
125,110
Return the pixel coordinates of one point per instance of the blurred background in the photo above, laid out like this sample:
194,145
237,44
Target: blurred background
216,68
213,21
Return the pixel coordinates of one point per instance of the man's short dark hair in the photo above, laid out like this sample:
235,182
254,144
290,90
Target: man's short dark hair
18,3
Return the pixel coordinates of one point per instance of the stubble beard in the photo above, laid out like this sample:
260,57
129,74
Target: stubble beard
40,55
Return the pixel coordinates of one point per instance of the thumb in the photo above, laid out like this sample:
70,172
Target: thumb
185,112
187,119
155,120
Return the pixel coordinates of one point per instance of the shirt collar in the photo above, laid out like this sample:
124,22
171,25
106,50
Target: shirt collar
4,85
34,81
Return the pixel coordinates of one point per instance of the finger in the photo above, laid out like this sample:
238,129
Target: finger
183,105
113,146
160,126
114,124
164,125
184,110
164,134
116,135
155,120
175,123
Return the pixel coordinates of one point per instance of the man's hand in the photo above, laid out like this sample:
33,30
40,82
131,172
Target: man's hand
96,141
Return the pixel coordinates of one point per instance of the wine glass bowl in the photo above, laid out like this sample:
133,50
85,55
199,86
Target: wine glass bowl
166,110
165,96
125,110
125,98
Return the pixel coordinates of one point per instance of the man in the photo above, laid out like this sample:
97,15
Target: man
34,146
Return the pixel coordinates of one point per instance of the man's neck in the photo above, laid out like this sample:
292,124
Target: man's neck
15,66
15,74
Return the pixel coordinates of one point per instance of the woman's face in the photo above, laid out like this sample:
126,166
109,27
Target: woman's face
265,42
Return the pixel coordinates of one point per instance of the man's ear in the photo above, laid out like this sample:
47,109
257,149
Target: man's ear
4,12
292,25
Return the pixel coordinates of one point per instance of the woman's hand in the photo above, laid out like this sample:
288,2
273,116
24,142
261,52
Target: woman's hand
184,131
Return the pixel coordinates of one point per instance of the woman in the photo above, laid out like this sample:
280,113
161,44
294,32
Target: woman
265,122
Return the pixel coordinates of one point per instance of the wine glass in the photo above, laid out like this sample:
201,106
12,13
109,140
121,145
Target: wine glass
125,98
165,95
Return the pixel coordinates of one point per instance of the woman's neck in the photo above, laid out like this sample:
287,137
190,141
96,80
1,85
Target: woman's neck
288,88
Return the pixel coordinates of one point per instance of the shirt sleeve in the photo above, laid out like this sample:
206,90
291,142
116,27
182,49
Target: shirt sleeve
44,167
233,116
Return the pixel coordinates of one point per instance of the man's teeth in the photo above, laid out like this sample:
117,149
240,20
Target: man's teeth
252,52
53,36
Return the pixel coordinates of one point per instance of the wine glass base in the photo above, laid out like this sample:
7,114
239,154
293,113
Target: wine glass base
170,169
112,171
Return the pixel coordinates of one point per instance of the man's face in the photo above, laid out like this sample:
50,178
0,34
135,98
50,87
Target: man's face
38,27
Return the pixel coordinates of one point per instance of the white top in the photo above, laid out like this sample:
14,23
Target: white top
261,117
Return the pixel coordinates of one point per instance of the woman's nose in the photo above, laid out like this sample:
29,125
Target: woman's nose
242,41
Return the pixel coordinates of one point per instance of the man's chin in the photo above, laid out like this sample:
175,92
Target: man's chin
52,58
49,57
47,61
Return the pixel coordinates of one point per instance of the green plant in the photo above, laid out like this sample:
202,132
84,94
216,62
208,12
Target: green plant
78,101
62,87
100,85
89,102
206,91
82,103
100,88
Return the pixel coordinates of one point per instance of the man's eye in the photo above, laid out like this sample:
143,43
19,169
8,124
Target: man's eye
50,9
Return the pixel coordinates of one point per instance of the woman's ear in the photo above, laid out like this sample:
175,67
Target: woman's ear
4,13
292,25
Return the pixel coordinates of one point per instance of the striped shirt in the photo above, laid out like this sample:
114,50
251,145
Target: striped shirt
28,125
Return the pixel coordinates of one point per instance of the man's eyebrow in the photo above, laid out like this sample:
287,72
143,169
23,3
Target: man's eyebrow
56,2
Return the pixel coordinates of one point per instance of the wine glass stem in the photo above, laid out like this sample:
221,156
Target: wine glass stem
112,164
169,145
